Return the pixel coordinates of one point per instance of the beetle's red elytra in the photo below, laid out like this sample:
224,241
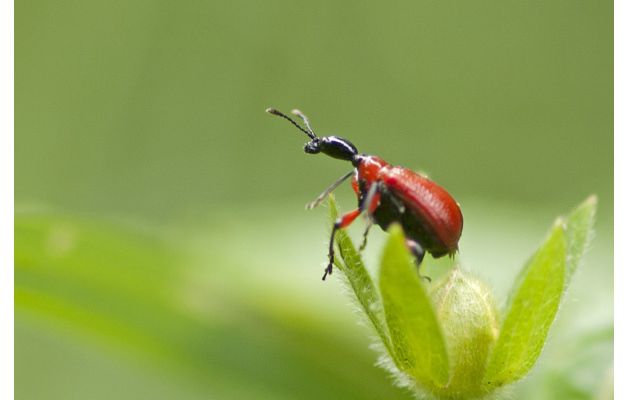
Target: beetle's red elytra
429,216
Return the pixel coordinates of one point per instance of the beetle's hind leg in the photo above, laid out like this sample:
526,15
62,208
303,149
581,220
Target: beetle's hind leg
418,253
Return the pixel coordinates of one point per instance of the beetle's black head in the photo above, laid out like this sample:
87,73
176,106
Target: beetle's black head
332,146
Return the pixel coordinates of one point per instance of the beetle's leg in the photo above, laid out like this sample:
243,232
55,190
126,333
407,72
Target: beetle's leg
342,222
372,200
396,202
327,191
418,252
365,234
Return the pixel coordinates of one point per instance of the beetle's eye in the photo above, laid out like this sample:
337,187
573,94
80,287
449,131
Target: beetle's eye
313,147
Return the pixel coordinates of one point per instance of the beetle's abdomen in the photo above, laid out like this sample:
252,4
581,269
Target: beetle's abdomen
432,216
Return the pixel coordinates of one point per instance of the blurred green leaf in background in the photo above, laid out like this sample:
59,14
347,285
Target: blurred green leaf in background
161,245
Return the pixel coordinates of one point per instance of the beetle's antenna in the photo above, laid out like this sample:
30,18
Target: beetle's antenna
274,111
305,119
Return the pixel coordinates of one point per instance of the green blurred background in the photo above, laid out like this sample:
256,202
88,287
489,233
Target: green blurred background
162,249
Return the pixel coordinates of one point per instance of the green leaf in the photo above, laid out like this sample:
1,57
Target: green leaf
578,233
418,343
533,305
536,296
360,280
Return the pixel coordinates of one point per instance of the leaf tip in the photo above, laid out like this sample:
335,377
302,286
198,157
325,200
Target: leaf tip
395,230
589,206
591,200
559,222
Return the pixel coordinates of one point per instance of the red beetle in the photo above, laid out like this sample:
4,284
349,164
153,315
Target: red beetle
430,218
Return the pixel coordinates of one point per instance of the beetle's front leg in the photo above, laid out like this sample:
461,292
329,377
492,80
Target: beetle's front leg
342,222
370,203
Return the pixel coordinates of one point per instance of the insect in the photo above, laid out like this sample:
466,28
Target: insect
429,216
